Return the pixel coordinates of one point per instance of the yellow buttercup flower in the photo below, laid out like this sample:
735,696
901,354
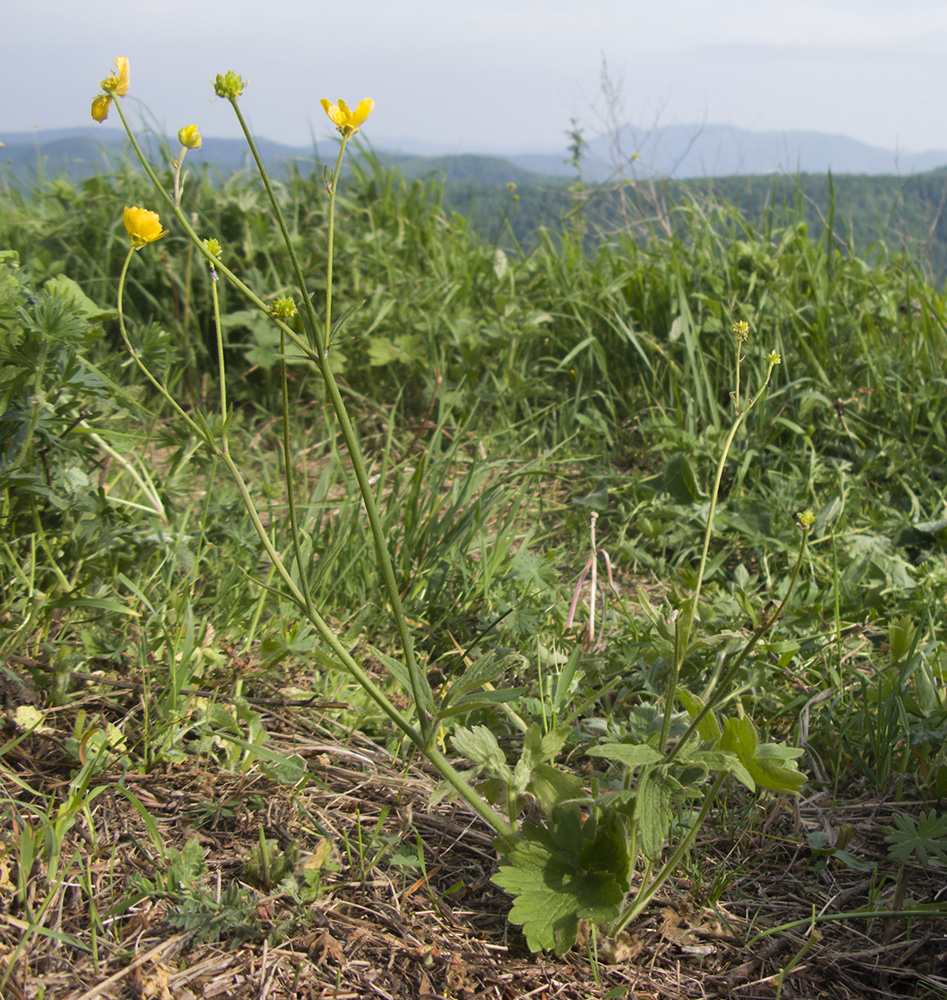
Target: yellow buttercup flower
114,85
345,120
143,226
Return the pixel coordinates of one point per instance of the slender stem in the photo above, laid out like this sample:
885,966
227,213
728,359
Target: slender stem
643,897
291,479
330,262
221,368
822,918
423,739
345,424
671,697
767,623
690,608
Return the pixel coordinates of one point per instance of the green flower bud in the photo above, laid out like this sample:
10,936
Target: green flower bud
284,308
229,85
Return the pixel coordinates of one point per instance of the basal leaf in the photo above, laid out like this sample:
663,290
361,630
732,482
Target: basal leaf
770,765
709,728
553,889
537,749
553,788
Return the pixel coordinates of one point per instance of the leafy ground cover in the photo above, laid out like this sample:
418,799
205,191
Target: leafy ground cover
197,797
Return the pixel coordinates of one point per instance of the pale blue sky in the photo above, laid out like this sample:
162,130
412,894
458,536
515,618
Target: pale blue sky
482,75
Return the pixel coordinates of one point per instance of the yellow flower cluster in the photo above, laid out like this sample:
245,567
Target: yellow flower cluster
345,120
114,85
143,227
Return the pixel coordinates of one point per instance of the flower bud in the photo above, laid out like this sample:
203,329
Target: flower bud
283,308
229,85
189,137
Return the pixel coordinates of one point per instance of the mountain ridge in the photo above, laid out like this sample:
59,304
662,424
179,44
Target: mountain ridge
675,151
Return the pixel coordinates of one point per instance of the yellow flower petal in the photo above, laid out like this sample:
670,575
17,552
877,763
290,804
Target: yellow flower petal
143,226
363,110
116,83
100,107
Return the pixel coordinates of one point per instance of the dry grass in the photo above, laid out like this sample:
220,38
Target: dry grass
440,931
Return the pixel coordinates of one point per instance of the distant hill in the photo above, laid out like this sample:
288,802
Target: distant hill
81,152
690,151
675,151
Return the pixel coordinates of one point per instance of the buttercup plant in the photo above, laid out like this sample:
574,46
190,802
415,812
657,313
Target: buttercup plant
316,348
579,860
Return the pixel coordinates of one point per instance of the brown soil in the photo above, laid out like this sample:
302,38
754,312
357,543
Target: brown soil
438,931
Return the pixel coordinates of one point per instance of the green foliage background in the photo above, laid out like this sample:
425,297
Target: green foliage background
508,383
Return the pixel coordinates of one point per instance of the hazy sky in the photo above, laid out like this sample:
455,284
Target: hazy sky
479,75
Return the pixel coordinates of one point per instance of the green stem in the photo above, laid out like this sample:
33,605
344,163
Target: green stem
643,897
345,425
422,740
823,918
765,625
690,608
291,480
221,368
330,248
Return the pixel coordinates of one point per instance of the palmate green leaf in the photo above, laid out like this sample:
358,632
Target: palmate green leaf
554,788
567,872
770,765
480,745
929,836
537,749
